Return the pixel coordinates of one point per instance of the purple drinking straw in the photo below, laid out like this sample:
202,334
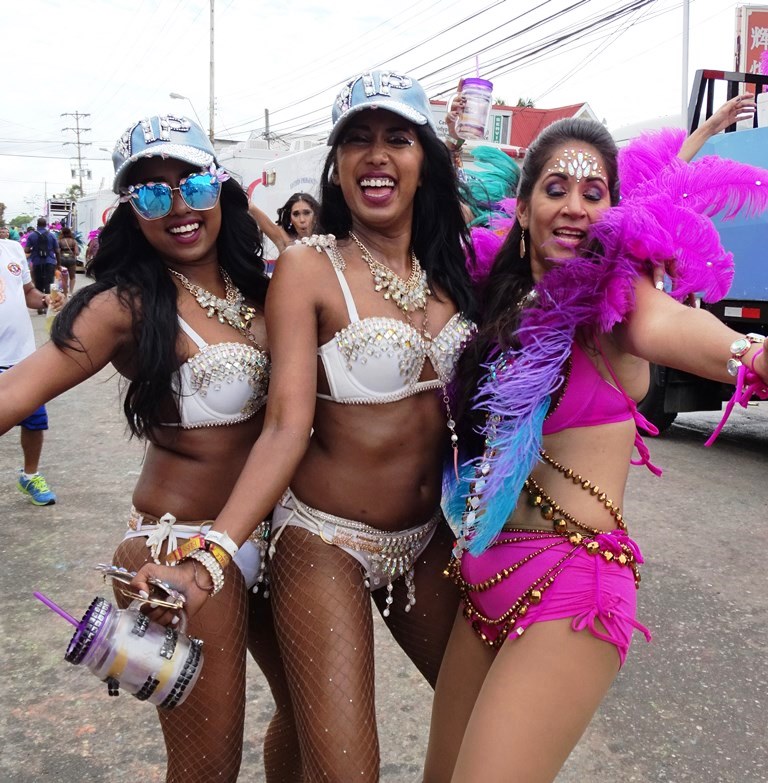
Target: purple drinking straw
51,605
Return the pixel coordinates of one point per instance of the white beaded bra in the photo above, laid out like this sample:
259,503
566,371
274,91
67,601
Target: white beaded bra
378,360
222,384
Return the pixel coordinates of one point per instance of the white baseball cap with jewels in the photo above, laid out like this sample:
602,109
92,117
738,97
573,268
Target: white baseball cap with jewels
167,136
395,92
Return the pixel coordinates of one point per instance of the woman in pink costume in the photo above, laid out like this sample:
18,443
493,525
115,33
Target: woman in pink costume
571,319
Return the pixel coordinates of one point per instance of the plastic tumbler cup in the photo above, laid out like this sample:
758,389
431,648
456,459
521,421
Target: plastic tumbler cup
478,97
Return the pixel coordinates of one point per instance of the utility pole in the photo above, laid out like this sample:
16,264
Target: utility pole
210,86
79,144
266,128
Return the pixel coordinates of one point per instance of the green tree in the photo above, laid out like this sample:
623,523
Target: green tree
2,214
20,221
527,102
74,192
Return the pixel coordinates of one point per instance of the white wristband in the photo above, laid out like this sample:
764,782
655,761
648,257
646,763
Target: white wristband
223,540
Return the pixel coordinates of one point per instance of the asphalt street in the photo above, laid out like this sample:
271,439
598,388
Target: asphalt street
689,706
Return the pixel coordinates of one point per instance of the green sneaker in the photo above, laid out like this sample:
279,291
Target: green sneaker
36,487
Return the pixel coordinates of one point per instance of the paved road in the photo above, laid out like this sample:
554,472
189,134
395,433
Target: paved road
690,706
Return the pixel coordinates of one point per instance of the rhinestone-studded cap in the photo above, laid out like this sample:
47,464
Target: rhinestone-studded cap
395,92
166,135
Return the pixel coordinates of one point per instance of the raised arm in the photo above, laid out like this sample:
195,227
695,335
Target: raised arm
102,330
742,107
276,234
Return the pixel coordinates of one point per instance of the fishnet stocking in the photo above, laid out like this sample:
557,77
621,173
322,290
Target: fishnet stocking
282,757
325,628
422,633
204,736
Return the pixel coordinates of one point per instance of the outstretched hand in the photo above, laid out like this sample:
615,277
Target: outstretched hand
742,107
182,578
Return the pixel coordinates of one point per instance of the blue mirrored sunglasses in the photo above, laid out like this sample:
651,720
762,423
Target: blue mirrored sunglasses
154,200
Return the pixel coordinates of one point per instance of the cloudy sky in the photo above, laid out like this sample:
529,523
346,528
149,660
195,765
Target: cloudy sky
119,61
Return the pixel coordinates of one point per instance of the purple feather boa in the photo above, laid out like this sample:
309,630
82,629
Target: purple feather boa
662,220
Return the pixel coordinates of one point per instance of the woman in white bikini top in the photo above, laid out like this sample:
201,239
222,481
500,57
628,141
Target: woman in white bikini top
364,331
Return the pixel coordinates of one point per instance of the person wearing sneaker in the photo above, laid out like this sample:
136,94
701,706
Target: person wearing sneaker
17,341
179,248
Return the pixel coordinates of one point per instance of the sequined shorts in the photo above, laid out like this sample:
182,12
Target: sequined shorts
250,558
384,555
526,577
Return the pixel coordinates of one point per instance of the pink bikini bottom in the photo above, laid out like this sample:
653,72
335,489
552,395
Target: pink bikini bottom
530,577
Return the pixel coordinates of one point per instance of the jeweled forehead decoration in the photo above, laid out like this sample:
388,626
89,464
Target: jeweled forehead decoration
578,164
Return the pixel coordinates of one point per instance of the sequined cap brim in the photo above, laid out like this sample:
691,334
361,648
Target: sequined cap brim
396,107
181,152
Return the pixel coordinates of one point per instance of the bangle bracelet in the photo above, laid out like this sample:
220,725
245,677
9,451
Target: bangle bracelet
207,589
211,565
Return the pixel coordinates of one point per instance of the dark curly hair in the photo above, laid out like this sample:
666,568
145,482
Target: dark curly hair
510,278
127,263
284,213
440,237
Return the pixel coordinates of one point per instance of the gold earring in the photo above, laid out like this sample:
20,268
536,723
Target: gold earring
522,244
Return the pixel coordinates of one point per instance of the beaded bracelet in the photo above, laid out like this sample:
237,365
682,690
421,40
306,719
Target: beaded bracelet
211,565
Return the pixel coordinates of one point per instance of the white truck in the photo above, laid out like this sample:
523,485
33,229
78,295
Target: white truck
93,211
269,180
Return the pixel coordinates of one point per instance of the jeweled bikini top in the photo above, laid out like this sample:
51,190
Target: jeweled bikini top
378,360
222,384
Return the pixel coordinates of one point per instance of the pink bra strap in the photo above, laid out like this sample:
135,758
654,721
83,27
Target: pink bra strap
641,423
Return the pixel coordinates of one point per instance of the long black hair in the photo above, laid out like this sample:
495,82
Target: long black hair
127,263
440,237
284,213
510,278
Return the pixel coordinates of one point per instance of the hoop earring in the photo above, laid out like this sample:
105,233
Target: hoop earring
522,244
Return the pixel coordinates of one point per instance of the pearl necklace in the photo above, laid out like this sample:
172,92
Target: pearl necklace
231,310
410,294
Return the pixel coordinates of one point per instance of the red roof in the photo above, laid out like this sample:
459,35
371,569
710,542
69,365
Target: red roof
529,122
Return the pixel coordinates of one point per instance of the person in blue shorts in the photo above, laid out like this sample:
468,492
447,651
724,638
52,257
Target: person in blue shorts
17,341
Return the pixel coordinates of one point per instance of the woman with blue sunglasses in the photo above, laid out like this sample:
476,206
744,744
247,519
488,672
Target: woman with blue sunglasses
177,308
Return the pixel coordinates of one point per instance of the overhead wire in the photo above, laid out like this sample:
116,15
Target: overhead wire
556,39
336,84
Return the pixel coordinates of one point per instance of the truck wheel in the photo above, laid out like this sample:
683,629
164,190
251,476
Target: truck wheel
652,405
